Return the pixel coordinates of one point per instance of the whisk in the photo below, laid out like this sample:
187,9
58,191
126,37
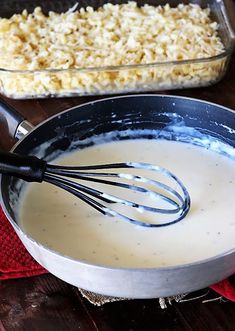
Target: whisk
177,200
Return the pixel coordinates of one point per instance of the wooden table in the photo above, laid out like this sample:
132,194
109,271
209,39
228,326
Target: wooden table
46,303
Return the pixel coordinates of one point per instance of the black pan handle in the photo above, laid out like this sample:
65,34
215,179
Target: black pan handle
29,168
17,125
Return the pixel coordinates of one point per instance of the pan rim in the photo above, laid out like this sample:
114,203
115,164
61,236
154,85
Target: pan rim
166,96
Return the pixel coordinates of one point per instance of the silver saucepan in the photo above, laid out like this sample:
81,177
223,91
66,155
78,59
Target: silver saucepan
153,117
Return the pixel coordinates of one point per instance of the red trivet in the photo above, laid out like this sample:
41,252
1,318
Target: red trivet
15,261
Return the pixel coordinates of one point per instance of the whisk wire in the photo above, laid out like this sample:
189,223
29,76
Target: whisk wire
109,198
103,209
54,175
73,172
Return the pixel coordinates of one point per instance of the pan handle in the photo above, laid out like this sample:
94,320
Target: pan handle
17,125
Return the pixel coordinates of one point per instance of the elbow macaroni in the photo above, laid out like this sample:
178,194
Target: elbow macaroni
65,54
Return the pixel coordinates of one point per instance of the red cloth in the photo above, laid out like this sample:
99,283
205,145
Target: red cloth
226,288
15,261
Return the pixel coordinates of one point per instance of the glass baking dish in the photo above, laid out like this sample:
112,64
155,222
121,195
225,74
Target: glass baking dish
24,84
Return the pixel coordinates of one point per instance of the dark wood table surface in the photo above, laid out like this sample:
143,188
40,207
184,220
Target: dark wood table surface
46,303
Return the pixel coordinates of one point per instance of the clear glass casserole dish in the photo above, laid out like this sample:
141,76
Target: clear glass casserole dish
55,82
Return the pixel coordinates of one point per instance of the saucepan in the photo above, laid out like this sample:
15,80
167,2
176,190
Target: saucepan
152,117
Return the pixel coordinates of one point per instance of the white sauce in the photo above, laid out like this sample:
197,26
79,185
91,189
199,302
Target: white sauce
63,223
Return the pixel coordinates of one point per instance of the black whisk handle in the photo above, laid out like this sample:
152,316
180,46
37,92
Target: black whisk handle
29,168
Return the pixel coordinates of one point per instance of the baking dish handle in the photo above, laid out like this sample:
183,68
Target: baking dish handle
228,10
18,127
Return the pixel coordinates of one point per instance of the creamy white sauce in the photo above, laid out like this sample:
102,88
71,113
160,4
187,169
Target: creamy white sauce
65,224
